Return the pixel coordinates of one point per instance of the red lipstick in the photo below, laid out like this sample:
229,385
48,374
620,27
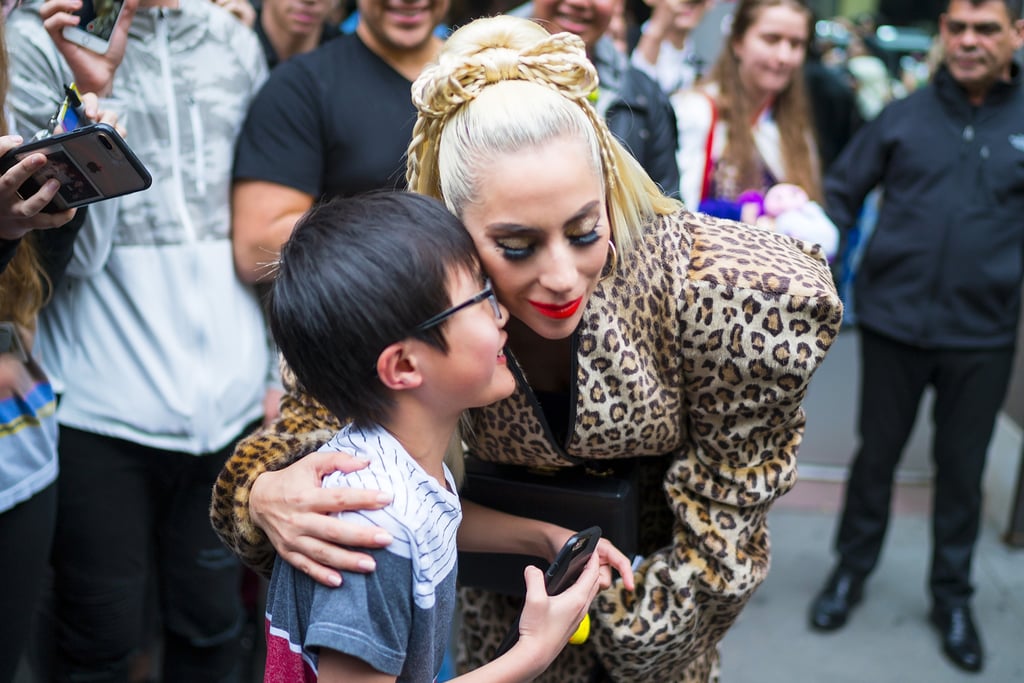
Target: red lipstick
557,311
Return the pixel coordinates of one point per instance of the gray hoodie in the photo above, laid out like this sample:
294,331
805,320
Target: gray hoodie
151,337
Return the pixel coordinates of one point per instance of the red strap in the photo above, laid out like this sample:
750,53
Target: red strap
705,189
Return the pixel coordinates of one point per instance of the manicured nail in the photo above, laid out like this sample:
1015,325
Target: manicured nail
334,580
383,538
368,565
384,497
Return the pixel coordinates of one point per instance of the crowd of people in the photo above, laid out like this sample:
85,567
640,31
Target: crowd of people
553,239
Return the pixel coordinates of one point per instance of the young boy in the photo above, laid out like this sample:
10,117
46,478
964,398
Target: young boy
413,337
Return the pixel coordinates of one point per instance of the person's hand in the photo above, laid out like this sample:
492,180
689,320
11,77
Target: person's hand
18,215
608,556
548,621
663,14
242,9
292,509
91,104
93,72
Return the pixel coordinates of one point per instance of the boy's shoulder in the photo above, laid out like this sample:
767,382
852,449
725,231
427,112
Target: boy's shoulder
423,514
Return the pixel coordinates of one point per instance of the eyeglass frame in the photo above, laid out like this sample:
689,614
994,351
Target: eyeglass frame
487,293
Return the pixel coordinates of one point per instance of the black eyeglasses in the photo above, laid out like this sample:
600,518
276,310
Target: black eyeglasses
488,294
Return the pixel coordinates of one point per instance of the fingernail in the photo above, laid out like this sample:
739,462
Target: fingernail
334,580
368,565
384,497
383,538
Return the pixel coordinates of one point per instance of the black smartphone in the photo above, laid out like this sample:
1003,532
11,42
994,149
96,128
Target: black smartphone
91,163
561,573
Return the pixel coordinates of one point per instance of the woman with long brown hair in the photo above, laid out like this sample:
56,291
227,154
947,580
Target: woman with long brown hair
748,127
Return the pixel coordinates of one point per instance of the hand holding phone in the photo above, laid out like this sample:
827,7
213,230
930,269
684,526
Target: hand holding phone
95,28
91,163
21,215
561,573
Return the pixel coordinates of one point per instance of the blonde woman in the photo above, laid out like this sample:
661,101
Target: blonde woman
638,333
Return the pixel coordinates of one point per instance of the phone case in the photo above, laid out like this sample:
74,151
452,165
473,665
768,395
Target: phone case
91,163
561,573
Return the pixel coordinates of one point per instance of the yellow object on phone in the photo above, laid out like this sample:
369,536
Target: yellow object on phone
582,632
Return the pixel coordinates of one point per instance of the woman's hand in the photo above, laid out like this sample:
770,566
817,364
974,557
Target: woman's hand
293,510
93,71
18,215
608,556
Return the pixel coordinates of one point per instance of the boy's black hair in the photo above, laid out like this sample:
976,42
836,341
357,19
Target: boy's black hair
358,274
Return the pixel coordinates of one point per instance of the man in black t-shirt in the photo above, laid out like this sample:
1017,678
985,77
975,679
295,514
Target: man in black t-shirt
332,122
286,28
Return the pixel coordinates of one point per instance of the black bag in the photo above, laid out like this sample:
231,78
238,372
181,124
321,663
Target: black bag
574,498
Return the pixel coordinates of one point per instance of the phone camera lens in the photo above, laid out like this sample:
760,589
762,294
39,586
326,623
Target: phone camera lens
105,141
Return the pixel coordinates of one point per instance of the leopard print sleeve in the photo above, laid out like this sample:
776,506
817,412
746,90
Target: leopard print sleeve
757,313
303,426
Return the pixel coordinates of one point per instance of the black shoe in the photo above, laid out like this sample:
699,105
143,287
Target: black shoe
832,606
960,640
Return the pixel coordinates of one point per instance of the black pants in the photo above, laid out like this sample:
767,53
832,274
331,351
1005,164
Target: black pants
969,389
26,534
129,514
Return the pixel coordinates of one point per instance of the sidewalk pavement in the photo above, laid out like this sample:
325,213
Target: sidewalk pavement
888,638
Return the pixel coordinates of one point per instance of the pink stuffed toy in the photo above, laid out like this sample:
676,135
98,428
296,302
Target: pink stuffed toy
789,211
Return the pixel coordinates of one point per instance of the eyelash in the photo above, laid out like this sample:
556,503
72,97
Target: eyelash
522,253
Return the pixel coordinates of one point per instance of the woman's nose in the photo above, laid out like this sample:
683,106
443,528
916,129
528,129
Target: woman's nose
559,270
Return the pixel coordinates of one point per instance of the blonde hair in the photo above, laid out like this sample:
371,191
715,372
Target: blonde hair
502,84
23,283
791,109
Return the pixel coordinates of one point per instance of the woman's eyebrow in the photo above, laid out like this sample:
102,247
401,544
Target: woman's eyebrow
586,211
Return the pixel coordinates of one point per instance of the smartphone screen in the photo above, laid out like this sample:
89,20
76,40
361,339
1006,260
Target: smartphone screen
99,17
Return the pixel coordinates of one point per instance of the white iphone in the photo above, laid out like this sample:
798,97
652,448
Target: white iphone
98,18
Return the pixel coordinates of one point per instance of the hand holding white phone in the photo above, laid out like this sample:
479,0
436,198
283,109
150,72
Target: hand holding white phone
97,19
93,60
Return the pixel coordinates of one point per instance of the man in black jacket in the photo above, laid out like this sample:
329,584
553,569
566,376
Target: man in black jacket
937,294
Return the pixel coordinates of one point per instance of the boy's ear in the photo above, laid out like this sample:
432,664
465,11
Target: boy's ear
398,368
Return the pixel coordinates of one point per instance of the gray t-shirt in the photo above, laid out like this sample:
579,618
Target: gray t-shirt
397,618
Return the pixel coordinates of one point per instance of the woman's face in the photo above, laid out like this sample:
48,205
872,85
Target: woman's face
772,50
540,225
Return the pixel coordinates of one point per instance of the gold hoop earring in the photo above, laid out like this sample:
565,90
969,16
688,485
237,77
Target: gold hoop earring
610,265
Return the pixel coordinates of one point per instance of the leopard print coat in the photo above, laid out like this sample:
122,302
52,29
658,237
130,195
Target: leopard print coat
699,349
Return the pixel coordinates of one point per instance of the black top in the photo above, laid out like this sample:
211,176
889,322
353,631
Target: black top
332,122
54,247
944,264
7,249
